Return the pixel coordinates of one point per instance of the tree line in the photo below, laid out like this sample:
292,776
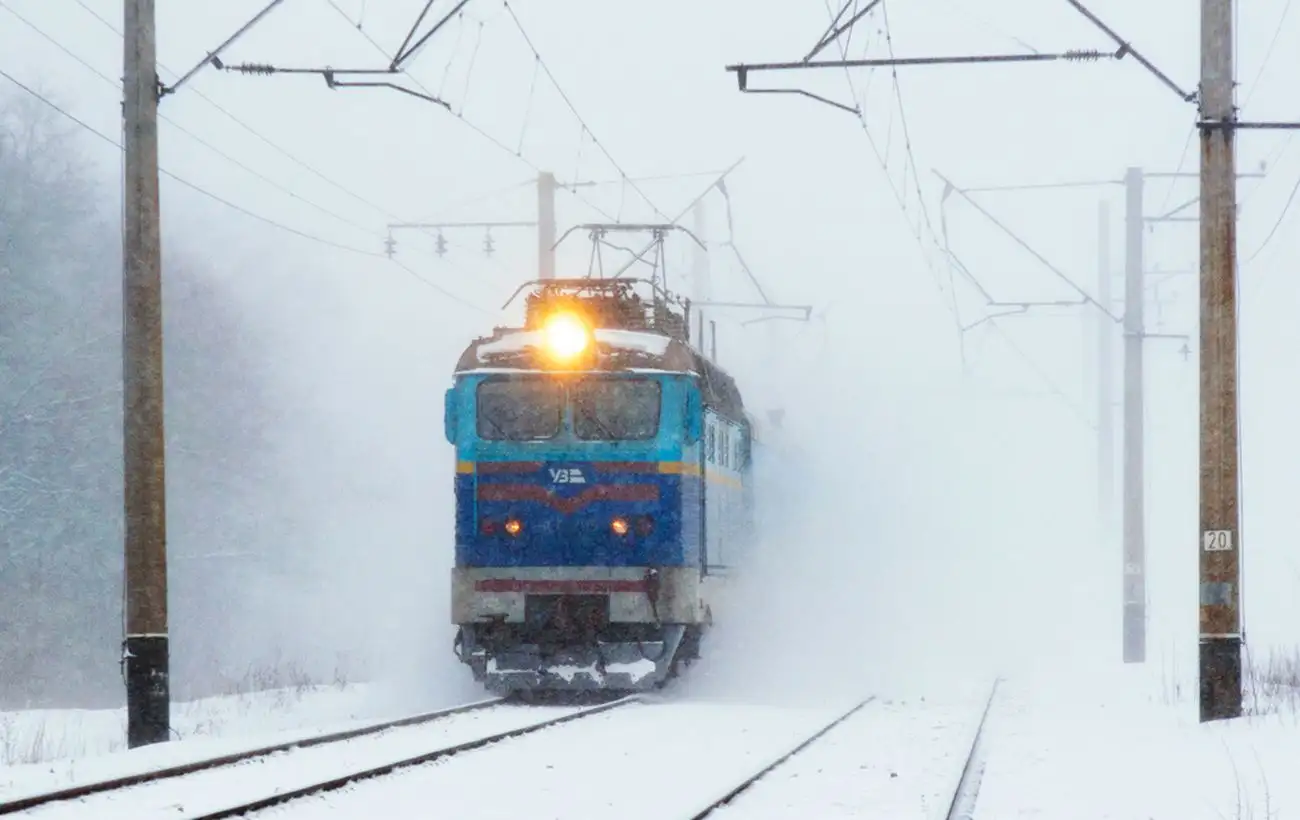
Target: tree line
61,515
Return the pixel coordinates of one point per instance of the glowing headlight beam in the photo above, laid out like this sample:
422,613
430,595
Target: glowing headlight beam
565,336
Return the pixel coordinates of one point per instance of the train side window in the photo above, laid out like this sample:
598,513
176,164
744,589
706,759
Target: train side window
708,444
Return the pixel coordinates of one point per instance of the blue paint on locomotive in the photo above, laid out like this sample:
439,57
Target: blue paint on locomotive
653,485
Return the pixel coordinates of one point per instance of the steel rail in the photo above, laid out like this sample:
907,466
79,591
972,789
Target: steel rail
756,776
179,770
966,793
417,760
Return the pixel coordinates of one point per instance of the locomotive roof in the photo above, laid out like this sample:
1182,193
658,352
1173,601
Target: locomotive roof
514,349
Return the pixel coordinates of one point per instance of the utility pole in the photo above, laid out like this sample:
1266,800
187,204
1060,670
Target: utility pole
1105,384
145,653
1134,447
1220,628
546,225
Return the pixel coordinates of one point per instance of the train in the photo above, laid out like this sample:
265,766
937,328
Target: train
603,491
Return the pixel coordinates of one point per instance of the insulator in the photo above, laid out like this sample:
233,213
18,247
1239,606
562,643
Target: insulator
440,246
253,68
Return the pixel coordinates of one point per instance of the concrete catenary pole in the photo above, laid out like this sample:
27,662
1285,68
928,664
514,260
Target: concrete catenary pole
1220,622
1134,552
145,651
546,225
1105,383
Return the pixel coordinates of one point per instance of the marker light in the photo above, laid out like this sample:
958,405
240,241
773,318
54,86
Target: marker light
619,526
513,526
565,336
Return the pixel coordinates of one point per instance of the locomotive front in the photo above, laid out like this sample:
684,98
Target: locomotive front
578,488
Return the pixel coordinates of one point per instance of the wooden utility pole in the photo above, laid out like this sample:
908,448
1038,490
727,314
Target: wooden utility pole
546,225
145,653
1135,605
1105,383
1220,548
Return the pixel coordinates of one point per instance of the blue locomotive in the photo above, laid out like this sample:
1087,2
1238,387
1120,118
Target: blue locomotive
603,489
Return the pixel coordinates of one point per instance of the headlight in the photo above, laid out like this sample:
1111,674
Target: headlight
513,526
566,336
619,526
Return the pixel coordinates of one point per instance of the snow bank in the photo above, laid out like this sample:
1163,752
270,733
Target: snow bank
1120,742
58,746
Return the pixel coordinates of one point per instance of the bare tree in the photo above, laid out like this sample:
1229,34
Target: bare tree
61,426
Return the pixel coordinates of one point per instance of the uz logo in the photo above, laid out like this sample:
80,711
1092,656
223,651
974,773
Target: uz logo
567,475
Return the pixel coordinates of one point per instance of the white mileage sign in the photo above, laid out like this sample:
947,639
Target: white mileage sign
1217,541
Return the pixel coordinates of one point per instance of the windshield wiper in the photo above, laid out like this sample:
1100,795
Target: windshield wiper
608,434
500,430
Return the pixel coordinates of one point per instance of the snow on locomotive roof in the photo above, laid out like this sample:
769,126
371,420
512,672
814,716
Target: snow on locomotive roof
658,354
652,344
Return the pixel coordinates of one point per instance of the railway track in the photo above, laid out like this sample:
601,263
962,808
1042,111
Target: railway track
228,786
967,791
132,787
964,793
745,784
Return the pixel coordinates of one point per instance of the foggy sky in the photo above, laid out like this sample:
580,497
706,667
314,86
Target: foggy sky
368,348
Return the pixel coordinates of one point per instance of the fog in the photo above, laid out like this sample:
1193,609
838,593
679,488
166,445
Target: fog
930,500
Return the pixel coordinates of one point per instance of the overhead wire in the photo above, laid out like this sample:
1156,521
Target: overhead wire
925,223
954,263
193,186
1268,53
285,152
902,116
460,116
200,140
291,156
569,102
222,200
1052,386
899,196
1286,209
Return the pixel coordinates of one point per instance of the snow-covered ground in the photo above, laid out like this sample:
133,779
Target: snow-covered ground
1062,741
651,760
1126,742
44,749
228,787
899,759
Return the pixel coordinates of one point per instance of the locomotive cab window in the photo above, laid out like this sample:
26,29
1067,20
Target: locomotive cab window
519,409
615,409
